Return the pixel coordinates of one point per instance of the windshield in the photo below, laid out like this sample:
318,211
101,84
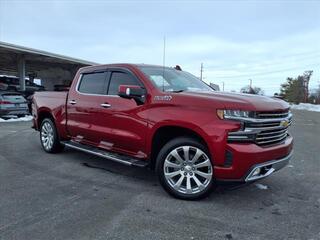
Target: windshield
172,80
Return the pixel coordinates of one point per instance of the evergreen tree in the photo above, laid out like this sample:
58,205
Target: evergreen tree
294,90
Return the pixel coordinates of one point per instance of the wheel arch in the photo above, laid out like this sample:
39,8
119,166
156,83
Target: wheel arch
42,114
165,133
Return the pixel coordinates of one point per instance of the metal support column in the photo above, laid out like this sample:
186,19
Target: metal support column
22,73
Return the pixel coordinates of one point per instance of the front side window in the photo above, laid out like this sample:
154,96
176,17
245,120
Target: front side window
121,78
93,83
172,80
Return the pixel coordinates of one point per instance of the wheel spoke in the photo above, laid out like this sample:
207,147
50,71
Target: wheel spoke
171,164
45,143
206,163
202,174
176,155
178,183
172,174
196,156
186,153
199,184
45,126
188,186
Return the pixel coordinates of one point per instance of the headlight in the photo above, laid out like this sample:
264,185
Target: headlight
232,114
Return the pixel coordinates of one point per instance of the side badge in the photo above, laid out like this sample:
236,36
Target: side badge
163,98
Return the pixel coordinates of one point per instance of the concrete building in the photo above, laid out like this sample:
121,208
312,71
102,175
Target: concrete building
52,69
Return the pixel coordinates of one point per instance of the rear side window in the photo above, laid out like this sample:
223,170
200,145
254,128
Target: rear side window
121,78
93,83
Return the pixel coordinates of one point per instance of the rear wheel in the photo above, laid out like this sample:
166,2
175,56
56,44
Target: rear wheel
49,137
185,169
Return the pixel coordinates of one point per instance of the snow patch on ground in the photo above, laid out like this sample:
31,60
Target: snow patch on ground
306,106
261,186
22,119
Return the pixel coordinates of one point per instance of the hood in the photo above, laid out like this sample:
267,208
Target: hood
240,101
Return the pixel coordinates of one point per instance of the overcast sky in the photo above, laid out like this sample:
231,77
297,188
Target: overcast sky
266,41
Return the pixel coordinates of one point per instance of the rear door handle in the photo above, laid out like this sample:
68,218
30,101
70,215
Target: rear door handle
73,102
105,105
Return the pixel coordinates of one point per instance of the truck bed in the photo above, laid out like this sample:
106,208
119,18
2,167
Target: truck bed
55,102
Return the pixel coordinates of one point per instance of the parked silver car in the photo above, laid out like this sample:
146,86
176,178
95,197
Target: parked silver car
12,103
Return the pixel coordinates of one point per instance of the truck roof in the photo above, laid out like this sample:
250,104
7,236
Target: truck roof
125,65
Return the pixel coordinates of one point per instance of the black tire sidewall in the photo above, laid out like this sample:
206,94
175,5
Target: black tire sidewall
166,149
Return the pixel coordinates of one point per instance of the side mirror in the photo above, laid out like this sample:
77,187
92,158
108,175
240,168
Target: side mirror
133,92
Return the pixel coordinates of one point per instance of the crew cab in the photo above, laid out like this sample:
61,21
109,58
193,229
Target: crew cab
167,119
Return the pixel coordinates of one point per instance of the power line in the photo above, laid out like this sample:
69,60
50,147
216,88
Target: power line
274,61
267,73
254,65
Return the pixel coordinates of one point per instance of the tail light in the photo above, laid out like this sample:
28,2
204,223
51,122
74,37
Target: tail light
5,102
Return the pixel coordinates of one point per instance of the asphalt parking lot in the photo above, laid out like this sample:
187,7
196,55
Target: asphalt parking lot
73,195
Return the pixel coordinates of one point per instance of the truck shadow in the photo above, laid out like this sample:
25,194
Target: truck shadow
142,174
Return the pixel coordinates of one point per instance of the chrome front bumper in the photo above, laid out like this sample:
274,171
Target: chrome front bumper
265,169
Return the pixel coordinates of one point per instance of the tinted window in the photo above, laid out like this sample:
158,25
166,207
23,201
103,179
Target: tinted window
93,83
121,78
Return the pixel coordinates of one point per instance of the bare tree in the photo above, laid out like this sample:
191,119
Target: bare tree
252,90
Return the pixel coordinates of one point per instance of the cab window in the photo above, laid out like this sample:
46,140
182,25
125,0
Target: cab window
93,83
121,78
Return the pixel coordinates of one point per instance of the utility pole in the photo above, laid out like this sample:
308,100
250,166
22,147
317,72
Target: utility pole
163,61
250,83
222,86
201,70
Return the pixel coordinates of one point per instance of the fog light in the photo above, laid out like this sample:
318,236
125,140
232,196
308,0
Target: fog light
256,172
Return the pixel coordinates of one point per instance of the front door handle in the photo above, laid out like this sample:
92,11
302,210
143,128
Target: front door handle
105,105
72,102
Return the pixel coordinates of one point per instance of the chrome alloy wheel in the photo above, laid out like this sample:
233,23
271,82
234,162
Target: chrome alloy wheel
188,169
47,136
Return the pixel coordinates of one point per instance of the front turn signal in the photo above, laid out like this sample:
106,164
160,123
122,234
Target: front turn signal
220,113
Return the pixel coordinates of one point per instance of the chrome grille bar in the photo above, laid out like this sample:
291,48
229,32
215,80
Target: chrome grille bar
270,137
272,141
267,128
273,132
272,114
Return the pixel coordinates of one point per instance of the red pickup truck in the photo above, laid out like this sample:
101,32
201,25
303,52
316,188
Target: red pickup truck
167,119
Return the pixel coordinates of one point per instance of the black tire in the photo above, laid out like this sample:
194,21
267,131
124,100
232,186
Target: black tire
55,146
177,145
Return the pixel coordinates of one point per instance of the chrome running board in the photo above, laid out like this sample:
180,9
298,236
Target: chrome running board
108,155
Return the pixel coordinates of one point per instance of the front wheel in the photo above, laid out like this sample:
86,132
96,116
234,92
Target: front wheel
184,169
49,137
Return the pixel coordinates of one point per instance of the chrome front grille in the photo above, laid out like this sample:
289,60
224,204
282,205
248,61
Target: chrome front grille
263,115
271,136
262,124
267,128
